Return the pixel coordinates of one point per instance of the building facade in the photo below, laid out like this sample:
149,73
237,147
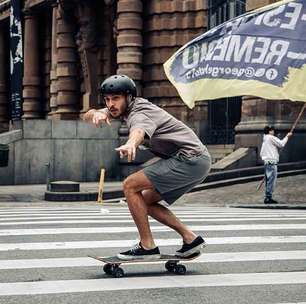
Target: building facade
70,46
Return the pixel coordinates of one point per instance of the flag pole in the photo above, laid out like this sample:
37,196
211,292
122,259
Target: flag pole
298,118
291,131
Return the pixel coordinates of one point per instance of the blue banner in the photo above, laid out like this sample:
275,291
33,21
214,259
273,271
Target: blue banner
260,53
16,55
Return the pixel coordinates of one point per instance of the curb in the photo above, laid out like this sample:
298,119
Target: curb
117,194
276,206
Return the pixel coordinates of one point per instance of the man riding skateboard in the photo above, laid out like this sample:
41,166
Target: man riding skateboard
184,163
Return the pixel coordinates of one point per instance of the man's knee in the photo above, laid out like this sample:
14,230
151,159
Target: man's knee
129,185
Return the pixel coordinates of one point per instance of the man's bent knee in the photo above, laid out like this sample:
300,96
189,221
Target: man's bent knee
136,182
129,185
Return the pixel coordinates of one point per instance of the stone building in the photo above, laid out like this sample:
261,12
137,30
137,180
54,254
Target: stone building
70,46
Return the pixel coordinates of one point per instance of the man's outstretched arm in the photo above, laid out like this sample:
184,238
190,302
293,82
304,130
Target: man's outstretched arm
280,143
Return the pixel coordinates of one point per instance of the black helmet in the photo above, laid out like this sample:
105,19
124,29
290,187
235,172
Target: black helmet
118,84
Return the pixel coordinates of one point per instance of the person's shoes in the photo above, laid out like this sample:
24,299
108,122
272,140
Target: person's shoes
188,249
270,201
138,252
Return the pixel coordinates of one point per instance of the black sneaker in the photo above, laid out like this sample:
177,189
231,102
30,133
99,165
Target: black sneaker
188,249
138,252
270,201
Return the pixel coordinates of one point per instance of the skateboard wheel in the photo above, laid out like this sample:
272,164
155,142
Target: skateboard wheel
118,272
170,266
108,269
180,269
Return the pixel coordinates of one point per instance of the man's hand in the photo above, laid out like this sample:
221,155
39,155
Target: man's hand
96,117
289,134
128,150
136,137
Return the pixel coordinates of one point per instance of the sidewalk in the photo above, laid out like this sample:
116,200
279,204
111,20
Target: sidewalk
290,192
35,193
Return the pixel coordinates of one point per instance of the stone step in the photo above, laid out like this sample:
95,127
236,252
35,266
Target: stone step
212,147
218,152
64,186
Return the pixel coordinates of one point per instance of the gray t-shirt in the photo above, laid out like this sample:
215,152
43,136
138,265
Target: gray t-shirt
167,135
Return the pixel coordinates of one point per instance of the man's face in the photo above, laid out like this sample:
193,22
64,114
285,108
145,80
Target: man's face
271,132
116,104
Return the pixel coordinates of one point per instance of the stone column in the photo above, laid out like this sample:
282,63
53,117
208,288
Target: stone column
47,65
129,40
53,77
129,60
4,119
66,70
257,112
31,80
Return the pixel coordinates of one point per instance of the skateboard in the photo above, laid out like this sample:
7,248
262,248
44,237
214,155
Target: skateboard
112,264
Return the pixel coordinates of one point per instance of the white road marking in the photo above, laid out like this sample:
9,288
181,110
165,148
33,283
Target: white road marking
105,221
159,242
128,216
179,212
204,258
94,230
133,283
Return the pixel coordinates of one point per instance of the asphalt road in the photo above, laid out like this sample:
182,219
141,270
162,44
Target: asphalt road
253,256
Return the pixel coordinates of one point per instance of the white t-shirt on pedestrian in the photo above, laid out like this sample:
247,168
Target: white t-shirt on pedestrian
270,147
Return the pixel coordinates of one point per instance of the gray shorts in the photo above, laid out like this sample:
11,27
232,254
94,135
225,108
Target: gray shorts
177,175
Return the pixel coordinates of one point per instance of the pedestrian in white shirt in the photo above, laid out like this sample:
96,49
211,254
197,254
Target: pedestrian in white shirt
270,155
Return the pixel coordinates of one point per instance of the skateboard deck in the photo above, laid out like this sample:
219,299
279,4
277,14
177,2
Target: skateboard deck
112,263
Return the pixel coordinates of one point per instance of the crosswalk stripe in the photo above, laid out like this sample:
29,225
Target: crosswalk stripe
112,216
159,242
93,230
134,283
105,221
204,258
112,213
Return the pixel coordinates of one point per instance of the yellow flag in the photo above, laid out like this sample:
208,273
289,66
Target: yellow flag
261,53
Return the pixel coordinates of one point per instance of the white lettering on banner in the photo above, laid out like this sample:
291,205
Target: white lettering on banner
278,49
294,16
191,57
221,47
296,56
214,71
239,50
260,50
271,18
230,26
211,49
